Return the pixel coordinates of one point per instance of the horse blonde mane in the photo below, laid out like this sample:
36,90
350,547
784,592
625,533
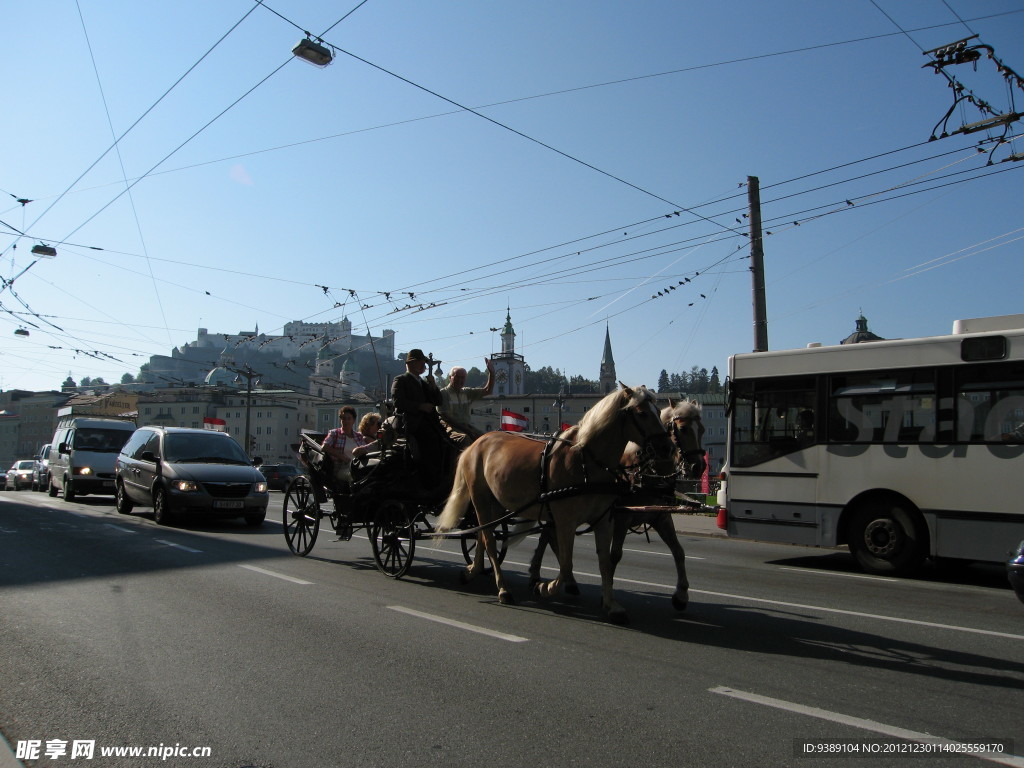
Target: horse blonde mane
602,414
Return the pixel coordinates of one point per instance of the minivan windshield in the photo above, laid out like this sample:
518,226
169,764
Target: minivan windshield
101,440
210,448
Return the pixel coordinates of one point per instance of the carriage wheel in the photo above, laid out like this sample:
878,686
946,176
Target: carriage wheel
301,516
393,540
470,543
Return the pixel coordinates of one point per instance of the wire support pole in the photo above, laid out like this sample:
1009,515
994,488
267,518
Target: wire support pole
757,266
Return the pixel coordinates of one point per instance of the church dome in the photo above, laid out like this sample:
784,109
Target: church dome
220,377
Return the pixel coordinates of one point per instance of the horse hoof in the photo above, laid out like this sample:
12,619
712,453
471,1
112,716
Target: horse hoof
572,589
464,576
505,598
534,586
680,603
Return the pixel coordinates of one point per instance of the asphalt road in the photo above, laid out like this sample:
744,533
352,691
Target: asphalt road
123,633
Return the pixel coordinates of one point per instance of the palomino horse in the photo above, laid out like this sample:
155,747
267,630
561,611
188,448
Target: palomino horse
572,480
682,420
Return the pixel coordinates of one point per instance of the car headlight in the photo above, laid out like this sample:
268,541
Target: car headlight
261,487
185,486
85,470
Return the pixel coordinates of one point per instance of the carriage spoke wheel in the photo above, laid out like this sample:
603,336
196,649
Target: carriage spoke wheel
471,542
393,540
300,516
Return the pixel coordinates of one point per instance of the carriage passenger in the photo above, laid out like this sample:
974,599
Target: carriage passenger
456,400
342,443
369,426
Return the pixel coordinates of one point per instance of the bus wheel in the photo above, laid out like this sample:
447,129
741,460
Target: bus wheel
886,538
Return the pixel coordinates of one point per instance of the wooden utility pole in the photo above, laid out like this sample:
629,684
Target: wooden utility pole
757,265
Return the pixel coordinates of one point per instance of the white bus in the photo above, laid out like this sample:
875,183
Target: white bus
899,449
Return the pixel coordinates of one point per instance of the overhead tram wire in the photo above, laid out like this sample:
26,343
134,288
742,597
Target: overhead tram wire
203,128
471,110
120,162
141,117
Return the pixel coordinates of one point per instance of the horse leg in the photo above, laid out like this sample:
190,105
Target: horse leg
477,566
620,527
666,529
538,557
487,542
603,539
548,537
564,534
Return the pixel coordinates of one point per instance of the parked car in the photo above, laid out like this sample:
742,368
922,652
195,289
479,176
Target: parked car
20,474
3,480
179,471
279,475
41,473
1015,571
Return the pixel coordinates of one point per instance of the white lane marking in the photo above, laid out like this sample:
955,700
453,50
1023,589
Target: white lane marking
176,546
459,624
867,725
808,572
801,606
660,554
119,528
860,614
274,574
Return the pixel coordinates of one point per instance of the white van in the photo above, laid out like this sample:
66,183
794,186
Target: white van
83,453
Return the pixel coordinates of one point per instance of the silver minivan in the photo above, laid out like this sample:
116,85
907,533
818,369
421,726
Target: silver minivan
82,455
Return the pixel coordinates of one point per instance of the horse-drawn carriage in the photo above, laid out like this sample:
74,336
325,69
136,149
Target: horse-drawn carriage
504,483
385,499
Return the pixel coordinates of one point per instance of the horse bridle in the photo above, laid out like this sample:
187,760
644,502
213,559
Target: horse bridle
692,456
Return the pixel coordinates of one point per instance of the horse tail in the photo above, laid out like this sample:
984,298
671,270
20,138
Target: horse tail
457,504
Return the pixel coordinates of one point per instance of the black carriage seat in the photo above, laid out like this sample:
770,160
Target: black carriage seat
319,464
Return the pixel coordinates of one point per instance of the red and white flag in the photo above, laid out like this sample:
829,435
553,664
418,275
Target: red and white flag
212,422
513,422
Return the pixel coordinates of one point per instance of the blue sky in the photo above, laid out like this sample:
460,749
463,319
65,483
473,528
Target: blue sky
260,189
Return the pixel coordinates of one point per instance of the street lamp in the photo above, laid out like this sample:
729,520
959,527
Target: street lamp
44,251
559,402
314,53
248,374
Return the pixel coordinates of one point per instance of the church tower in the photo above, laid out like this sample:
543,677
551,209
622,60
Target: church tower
607,378
509,368
324,359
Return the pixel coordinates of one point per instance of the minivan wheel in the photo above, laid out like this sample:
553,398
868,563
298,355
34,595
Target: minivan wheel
256,519
121,500
51,489
161,512
69,490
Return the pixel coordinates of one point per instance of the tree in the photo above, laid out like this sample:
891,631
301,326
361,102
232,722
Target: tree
546,379
85,381
582,385
127,379
714,383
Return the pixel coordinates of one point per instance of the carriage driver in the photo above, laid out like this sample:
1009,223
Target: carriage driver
417,400
456,400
